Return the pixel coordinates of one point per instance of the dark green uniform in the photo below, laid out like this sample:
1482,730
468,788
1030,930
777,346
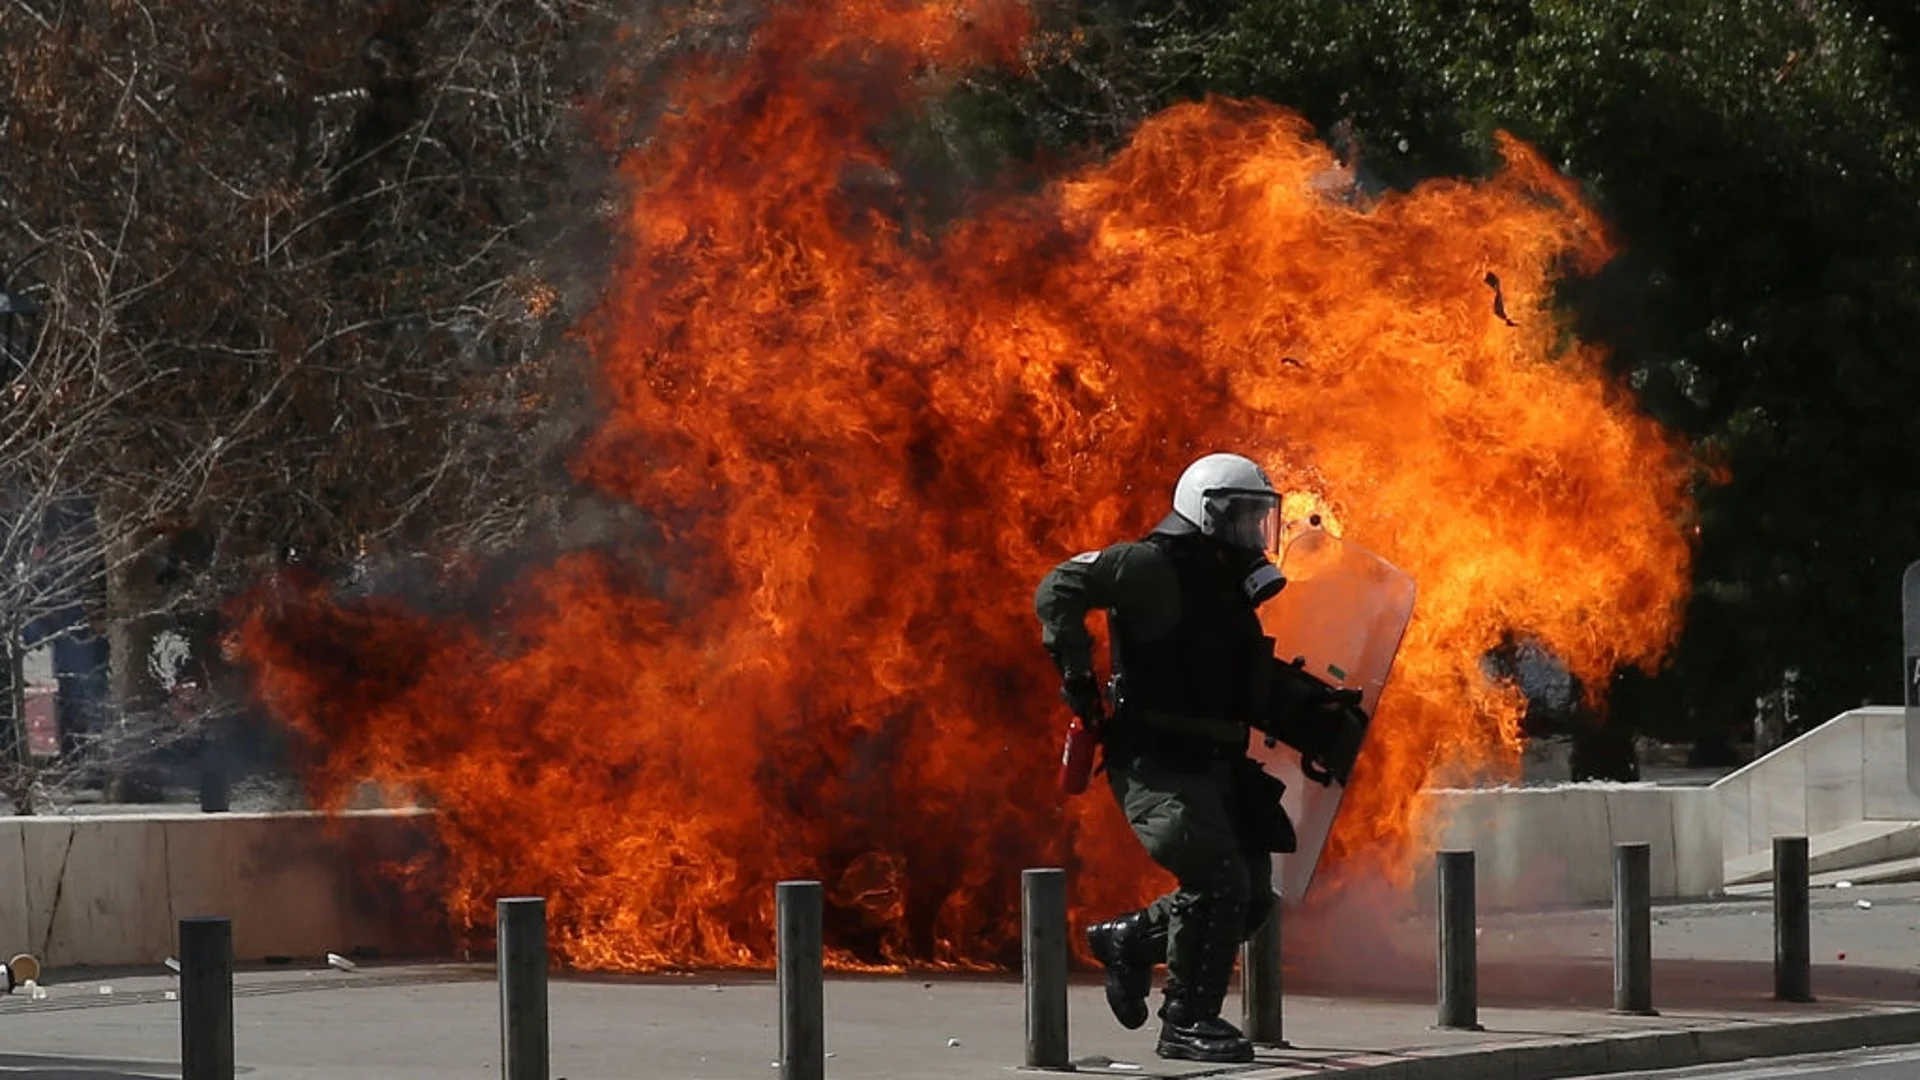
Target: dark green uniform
1191,656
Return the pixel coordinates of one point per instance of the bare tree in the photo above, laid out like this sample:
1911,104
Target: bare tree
65,390
303,273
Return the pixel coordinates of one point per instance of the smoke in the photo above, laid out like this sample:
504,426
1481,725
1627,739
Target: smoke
1351,936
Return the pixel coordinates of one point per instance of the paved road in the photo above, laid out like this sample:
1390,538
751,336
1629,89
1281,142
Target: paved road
1890,1063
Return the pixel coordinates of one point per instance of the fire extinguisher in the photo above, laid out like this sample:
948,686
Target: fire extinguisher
1083,732
1076,759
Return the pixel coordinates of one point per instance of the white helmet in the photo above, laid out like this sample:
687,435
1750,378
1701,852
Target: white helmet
1229,498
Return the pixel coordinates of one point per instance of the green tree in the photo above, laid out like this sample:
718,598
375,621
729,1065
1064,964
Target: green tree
1758,160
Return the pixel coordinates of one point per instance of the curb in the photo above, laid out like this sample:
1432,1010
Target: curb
1643,1050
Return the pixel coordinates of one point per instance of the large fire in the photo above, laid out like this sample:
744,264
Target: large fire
863,445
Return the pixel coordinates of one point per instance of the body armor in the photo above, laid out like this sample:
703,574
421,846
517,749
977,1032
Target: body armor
1203,681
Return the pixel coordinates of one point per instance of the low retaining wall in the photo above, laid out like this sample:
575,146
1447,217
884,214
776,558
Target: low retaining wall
1543,847
109,890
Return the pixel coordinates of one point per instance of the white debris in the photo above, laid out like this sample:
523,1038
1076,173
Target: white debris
106,990
829,1053
1843,884
1863,904
1123,1065
173,965
953,1042
335,960
36,991
172,996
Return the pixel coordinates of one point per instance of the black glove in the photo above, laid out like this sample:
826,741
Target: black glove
1344,728
1082,694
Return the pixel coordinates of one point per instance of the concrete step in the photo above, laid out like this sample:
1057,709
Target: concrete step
1863,843
1891,872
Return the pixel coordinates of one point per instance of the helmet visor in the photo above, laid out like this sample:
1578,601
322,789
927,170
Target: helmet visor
1245,519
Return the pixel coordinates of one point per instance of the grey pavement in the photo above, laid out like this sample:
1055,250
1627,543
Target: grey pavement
1360,985
1718,953
426,1023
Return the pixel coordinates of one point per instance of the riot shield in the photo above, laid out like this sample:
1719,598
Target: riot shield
1343,613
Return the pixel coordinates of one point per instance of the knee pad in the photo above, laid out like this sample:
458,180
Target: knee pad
1224,875
1212,909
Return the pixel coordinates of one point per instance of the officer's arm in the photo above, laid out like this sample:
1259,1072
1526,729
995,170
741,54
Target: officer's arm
1135,580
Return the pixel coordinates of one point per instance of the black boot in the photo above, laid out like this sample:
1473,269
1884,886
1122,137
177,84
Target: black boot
1198,969
1128,947
1190,1035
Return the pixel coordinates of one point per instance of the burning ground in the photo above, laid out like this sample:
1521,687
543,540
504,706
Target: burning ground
862,444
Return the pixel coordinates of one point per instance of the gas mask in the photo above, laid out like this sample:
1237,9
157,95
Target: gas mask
1247,525
1262,581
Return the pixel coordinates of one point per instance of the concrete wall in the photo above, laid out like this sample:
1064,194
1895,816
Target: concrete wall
1851,768
109,890
1554,846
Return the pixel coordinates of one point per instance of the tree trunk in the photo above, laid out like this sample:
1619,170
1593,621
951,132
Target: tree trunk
135,696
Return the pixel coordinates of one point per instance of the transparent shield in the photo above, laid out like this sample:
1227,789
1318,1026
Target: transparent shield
1344,611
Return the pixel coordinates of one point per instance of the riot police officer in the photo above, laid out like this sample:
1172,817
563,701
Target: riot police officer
1192,670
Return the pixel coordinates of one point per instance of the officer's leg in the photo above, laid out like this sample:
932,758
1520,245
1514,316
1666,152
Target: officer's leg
1184,822
1130,946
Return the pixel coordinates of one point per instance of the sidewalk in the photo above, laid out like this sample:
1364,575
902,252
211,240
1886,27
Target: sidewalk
1546,985
1705,954
437,1023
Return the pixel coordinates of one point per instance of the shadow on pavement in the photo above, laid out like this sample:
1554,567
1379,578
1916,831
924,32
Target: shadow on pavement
1588,983
42,1067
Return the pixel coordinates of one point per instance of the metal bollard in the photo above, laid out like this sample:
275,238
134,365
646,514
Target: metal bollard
1459,962
520,931
803,1037
1633,929
1043,963
1260,995
206,999
1792,930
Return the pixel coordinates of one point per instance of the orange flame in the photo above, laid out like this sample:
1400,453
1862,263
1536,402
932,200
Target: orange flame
863,445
